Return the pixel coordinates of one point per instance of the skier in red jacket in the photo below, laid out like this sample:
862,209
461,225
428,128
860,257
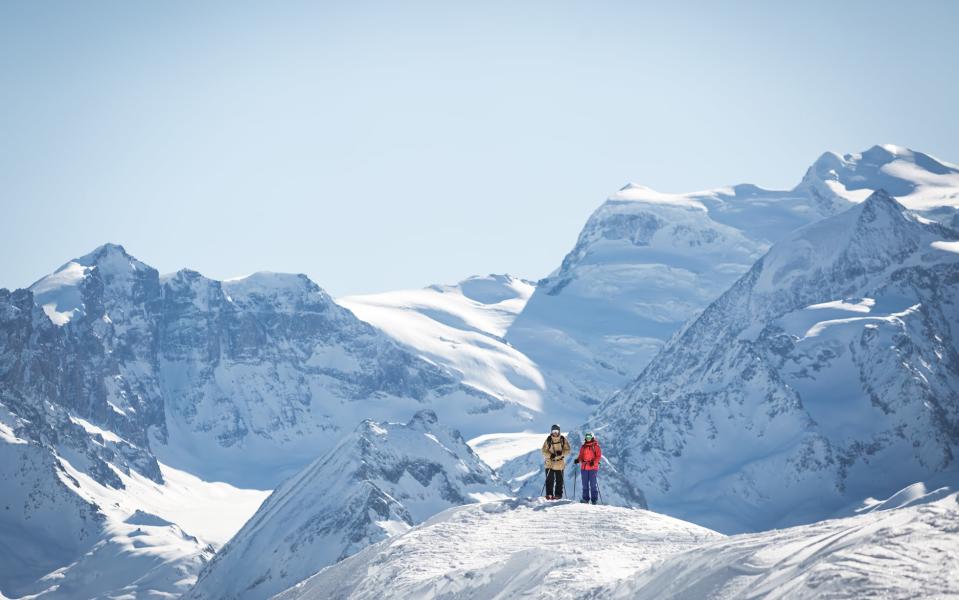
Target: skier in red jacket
589,457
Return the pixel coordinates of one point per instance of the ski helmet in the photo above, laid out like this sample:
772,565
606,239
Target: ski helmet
588,436
554,428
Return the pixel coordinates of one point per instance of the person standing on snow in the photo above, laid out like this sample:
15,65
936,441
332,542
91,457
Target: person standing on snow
555,449
589,456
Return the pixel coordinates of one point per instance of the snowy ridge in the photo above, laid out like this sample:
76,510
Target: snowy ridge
903,553
536,549
781,357
647,261
827,374
513,548
110,367
66,535
377,482
918,181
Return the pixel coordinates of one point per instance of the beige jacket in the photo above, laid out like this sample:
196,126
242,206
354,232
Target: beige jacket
559,445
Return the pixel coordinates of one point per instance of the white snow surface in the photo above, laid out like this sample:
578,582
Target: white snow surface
826,375
143,540
562,550
917,180
508,549
910,552
462,327
497,448
377,482
648,261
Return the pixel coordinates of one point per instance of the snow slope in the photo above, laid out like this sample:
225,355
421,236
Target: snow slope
105,367
495,449
648,261
508,549
377,482
65,535
827,374
461,327
537,549
910,552
243,381
918,181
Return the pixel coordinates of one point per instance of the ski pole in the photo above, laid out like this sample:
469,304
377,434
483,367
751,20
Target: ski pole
575,475
545,475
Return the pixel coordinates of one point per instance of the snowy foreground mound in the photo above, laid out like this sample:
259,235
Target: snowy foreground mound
534,549
903,553
508,549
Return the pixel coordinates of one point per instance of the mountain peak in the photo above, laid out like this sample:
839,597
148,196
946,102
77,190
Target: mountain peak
60,293
112,258
279,290
882,198
918,180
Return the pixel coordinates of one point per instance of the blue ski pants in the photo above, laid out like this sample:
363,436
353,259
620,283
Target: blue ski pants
590,491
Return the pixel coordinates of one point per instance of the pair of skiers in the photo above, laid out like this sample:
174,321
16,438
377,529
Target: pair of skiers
555,450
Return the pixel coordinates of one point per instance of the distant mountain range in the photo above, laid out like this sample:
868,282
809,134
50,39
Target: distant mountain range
749,358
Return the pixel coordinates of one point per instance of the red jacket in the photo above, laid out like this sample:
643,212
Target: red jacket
590,452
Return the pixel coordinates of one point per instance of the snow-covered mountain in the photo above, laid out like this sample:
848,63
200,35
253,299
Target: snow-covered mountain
377,482
918,181
112,377
65,534
542,550
646,262
244,380
826,374
461,328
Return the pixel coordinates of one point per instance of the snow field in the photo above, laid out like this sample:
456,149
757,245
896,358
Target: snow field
910,552
529,548
495,449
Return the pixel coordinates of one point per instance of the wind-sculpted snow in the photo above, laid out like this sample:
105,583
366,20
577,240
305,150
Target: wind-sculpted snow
903,553
377,482
461,327
508,549
828,373
918,181
561,550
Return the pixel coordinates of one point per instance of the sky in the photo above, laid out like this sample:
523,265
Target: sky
390,145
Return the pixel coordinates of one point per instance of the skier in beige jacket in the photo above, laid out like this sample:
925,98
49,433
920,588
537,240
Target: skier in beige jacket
555,450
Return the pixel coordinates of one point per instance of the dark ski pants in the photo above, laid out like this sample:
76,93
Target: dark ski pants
590,491
554,483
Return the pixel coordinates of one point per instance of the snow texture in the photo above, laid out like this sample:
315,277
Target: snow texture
827,374
377,482
508,549
562,550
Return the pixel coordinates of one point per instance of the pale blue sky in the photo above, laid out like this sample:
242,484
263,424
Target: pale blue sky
386,145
